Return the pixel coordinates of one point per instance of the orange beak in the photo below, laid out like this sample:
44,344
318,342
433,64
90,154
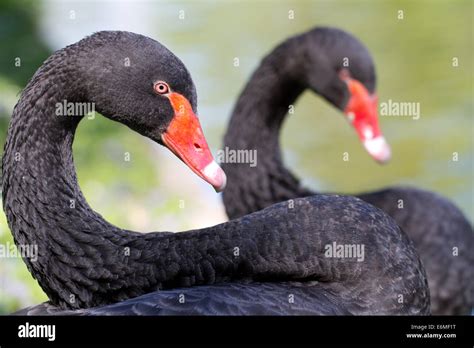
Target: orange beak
184,137
361,110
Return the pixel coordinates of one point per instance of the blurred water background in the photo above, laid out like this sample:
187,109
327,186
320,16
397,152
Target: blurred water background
155,191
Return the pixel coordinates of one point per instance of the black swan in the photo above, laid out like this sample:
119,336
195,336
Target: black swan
271,262
315,60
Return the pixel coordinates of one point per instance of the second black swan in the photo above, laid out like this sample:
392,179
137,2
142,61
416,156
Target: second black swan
250,265
339,67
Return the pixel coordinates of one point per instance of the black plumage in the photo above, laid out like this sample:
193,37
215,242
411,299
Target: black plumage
230,298
232,268
312,60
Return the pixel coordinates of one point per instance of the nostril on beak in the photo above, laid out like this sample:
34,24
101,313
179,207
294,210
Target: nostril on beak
197,147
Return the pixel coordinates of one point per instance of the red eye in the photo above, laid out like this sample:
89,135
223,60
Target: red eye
161,87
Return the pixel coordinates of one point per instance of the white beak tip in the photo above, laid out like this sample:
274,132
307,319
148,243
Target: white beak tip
379,149
214,175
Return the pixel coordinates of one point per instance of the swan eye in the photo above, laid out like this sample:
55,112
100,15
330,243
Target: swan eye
161,87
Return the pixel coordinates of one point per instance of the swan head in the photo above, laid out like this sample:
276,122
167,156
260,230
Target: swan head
337,66
135,80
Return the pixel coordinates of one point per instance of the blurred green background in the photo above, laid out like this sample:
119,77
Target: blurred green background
154,191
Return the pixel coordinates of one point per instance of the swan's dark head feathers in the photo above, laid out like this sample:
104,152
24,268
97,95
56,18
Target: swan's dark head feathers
340,68
137,81
321,54
337,66
119,70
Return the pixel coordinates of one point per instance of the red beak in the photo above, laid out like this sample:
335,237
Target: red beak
184,137
361,111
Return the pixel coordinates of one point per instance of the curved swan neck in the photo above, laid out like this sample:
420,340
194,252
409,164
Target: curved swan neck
264,103
44,205
255,125
38,157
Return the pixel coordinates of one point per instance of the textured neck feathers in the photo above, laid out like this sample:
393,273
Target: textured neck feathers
42,200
